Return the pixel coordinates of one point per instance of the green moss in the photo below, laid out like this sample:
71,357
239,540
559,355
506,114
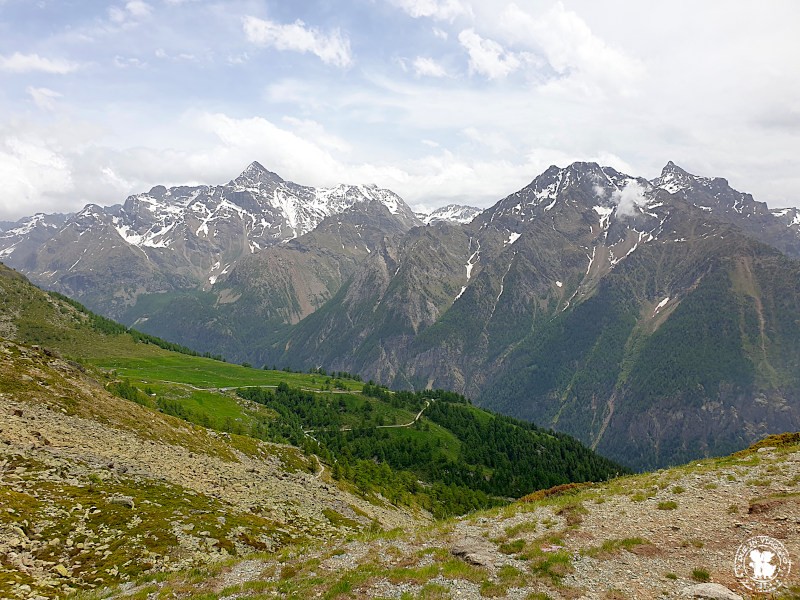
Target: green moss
339,520
524,527
512,547
553,566
611,547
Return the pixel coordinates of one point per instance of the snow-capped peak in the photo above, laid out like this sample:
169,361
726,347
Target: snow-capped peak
581,185
453,213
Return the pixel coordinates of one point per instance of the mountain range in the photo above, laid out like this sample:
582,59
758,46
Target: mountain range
654,320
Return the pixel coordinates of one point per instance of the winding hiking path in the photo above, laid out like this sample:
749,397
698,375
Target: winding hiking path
306,431
238,387
347,428
410,423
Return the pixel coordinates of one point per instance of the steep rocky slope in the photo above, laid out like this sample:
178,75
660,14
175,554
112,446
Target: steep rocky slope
97,489
668,534
278,286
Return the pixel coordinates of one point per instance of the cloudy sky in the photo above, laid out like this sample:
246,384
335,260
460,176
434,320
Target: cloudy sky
440,100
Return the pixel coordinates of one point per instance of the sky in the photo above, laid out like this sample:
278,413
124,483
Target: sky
442,101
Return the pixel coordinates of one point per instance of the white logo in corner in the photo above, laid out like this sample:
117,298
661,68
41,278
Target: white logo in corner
762,564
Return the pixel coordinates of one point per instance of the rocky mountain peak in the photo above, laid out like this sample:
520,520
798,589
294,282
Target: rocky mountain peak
581,185
157,191
256,174
674,179
671,167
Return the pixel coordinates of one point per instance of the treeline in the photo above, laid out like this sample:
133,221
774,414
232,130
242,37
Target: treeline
520,456
316,371
488,457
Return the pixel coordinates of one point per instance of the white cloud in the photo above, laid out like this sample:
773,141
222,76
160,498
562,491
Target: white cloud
43,97
487,57
637,81
428,67
129,62
580,59
440,10
440,34
312,130
628,199
182,56
134,10
30,171
26,63
599,191
139,9
491,140
332,48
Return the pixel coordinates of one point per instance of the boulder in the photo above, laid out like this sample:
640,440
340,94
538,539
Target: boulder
122,501
710,591
61,570
474,551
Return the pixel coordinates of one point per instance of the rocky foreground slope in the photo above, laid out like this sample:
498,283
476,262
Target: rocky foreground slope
668,534
95,489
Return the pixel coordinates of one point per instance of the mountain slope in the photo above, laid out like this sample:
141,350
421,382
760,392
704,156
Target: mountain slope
175,239
564,303
673,533
272,288
99,489
570,303
775,227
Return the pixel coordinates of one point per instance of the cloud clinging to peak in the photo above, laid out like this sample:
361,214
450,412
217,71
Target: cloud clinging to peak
629,199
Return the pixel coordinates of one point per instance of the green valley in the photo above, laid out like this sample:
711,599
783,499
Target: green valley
223,459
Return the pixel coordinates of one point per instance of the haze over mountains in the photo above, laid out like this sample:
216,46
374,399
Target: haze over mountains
654,320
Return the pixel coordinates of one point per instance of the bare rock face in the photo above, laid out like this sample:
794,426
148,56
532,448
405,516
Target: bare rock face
475,551
709,591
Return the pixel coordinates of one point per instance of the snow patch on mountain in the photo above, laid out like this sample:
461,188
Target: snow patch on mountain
452,213
605,215
660,305
258,202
